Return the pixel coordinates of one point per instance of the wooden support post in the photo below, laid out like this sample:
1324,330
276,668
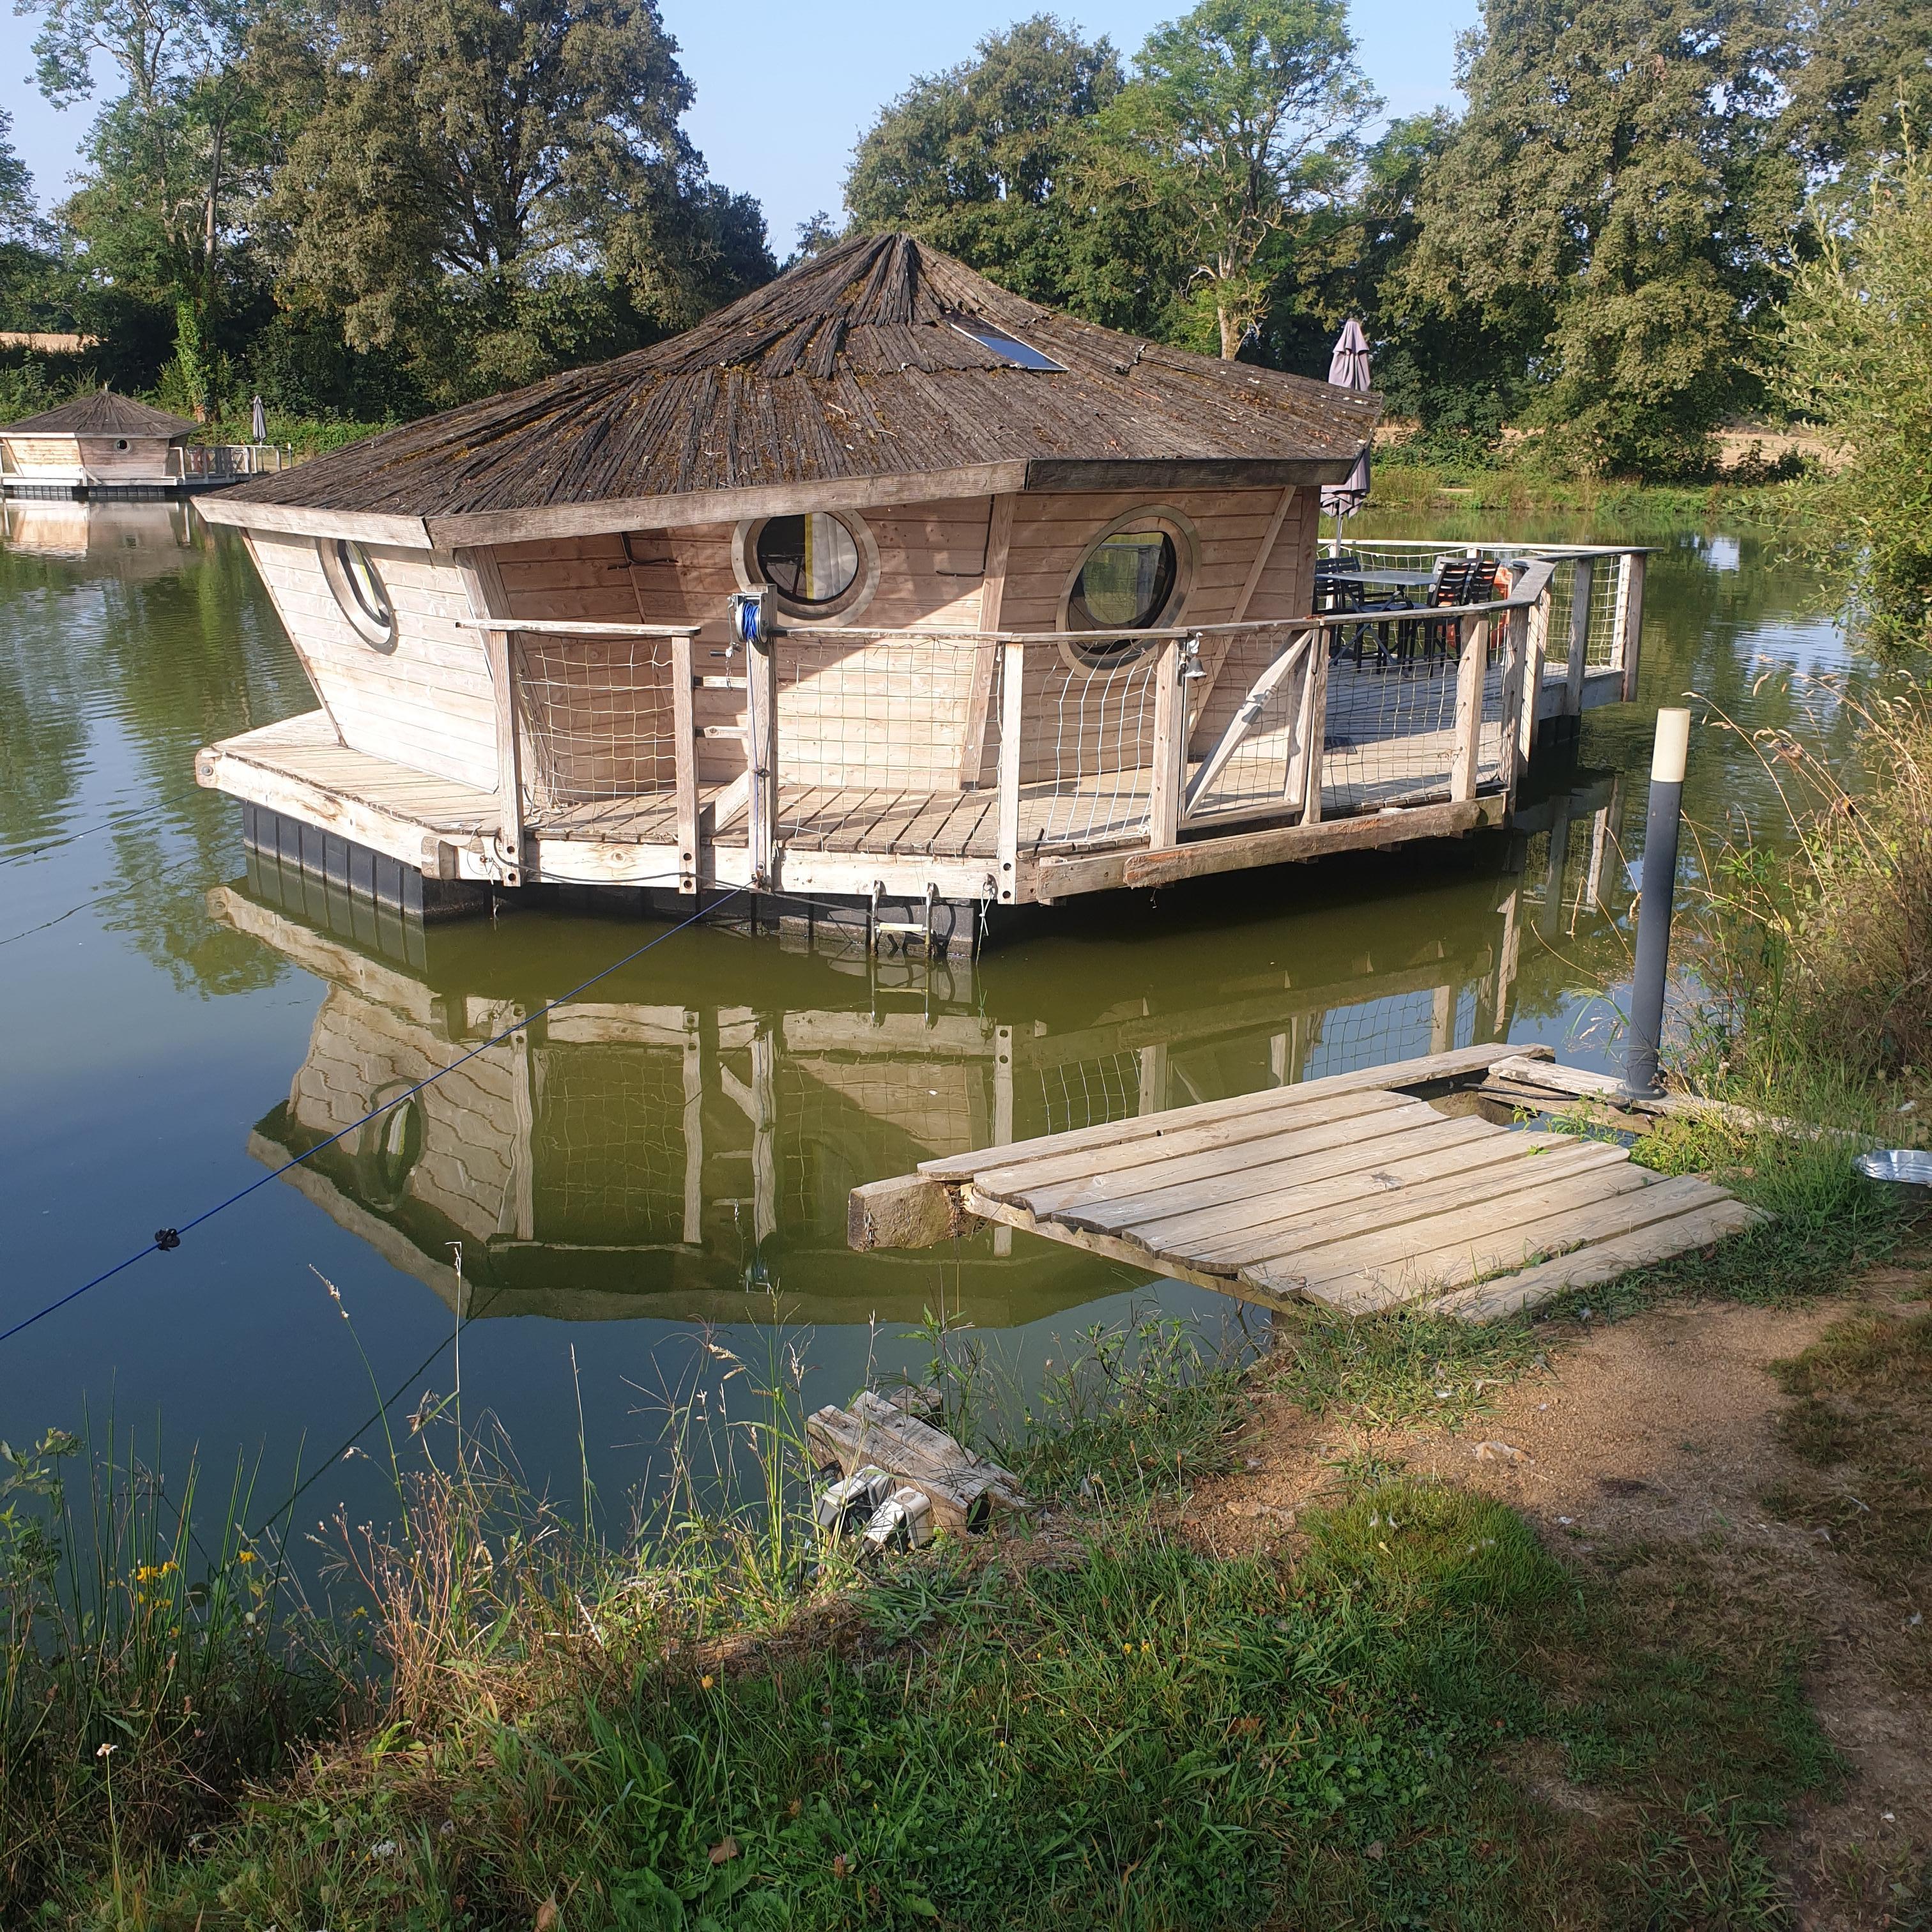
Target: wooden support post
1013,719
1003,1118
693,1133
483,587
1630,621
986,650
1512,730
1153,1078
1168,779
684,749
1582,579
761,759
1314,727
1535,650
1442,1019
764,1136
1472,669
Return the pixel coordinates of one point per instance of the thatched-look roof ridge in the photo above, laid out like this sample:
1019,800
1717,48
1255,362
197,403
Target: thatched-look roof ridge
102,413
850,366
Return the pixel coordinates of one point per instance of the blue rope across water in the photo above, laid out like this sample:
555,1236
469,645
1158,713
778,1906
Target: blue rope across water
167,1238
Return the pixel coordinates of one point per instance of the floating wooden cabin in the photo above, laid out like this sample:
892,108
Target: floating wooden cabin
95,446
1038,620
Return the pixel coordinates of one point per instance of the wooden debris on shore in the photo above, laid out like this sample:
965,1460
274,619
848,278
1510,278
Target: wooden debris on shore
964,1489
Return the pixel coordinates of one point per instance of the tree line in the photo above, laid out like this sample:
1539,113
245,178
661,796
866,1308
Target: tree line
368,209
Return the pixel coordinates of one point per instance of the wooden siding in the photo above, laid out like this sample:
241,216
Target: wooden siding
1106,722
426,705
1285,589
838,695
66,459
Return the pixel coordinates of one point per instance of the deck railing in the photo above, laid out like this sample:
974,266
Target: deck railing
1596,594
225,459
1001,753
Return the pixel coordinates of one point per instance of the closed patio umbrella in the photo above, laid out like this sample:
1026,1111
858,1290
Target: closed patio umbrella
1348,369
258,421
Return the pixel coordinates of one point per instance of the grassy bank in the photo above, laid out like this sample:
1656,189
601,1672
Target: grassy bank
1403,483
1093,1719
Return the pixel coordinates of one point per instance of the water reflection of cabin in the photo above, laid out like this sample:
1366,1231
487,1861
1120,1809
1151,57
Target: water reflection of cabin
1041,596
632,1153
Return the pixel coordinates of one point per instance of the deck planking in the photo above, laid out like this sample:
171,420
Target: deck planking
1352,1193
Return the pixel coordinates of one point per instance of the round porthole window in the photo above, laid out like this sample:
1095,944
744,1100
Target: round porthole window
358,591
390,1145
1133,578
120,442
817,565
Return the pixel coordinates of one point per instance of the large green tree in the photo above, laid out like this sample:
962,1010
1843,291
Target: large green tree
1241,120
988,161
1616,211
494,190
1858,360
177,156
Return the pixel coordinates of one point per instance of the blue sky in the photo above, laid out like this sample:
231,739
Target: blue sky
784,90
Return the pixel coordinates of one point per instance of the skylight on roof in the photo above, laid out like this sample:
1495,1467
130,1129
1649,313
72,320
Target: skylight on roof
1008,348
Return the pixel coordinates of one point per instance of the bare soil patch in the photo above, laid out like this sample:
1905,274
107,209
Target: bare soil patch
1681,1459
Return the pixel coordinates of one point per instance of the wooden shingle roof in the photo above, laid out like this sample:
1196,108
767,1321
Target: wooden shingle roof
853,366
102,413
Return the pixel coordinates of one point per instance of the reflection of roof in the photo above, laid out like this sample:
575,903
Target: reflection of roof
873,360
102,413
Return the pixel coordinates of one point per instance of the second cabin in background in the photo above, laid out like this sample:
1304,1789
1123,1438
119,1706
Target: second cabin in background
1038,619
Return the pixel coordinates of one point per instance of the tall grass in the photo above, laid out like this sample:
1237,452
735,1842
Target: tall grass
1817,951
145,1675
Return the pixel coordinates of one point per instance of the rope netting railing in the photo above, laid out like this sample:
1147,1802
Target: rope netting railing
1085,742
598,715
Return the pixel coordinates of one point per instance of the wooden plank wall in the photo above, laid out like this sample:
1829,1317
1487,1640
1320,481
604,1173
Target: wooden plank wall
858,713
426,705
1285,589
1051,533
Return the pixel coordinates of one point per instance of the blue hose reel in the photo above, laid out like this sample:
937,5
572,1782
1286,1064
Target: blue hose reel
750,624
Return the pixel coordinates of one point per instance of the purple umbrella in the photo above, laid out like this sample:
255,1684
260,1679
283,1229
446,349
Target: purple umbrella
1348,369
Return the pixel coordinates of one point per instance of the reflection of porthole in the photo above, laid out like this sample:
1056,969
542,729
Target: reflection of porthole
816,566
391,1145
1133,577
358,591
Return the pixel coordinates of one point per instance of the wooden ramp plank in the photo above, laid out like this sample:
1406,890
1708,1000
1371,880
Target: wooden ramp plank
1144,1170
1485,1170
1255,1192
1598,1261
1430,1069
1221,1221
1521,1233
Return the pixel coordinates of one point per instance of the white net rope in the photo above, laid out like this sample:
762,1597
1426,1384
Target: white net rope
597,717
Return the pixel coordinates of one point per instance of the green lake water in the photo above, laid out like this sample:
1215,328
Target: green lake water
676,1148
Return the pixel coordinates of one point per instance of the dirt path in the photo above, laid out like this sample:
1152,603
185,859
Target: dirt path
1667,1436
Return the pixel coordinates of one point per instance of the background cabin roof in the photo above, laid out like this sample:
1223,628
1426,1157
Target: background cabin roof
102,413
846,368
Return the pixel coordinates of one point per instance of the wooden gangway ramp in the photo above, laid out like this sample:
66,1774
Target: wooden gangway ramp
1361,1192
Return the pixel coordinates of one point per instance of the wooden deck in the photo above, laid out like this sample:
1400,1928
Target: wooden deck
1353,1191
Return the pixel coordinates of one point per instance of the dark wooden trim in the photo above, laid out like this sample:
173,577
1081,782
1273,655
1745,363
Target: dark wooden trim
1187,472
1055,878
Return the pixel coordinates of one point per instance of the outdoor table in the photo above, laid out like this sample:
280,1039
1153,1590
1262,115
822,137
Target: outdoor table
1381,580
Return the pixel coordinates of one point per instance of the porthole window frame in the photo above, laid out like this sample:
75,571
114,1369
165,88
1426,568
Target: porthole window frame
845,608
1180,530
377,631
